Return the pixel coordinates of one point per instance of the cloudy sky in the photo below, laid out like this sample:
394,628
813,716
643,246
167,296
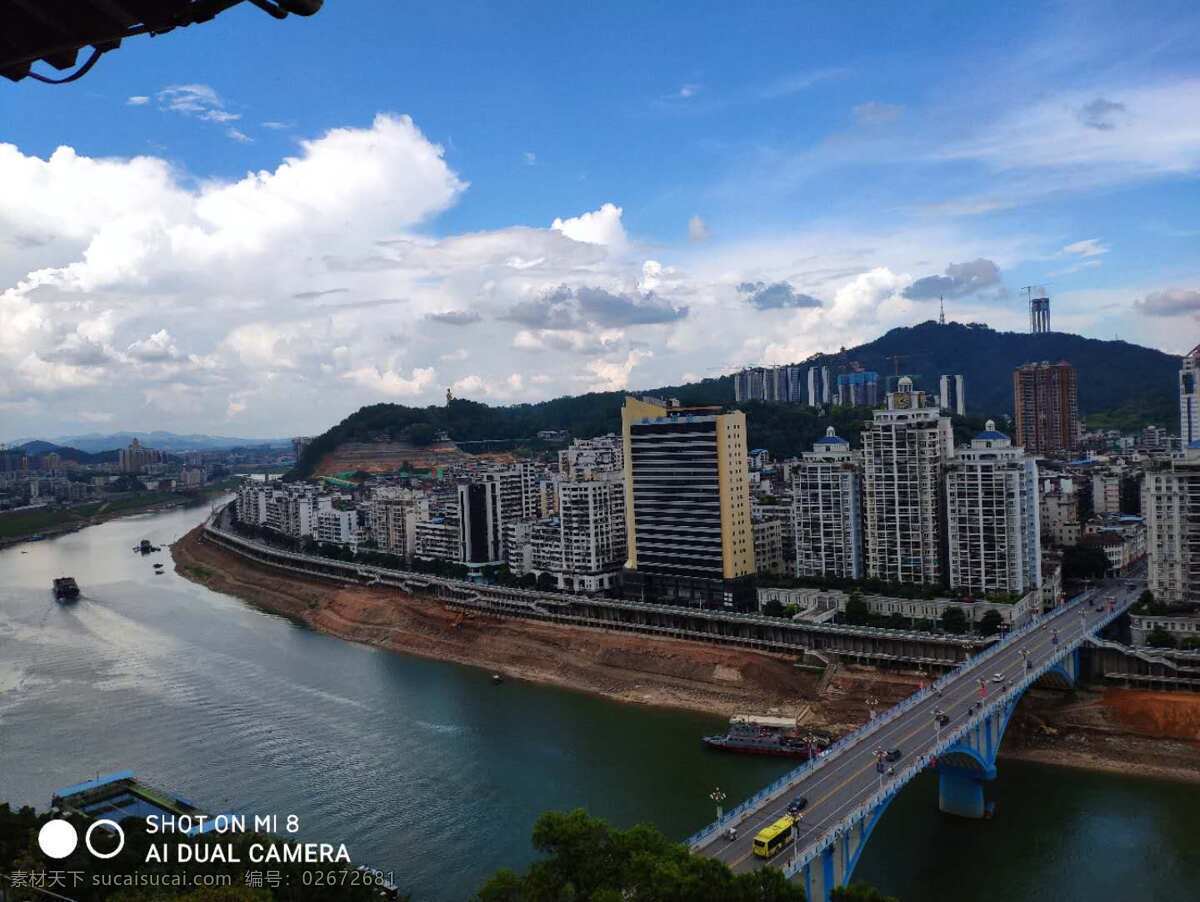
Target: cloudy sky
253,227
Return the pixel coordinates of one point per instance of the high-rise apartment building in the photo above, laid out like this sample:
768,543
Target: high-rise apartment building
859,389
687,506
392,518
905,450
827,511
814,376
1046,407
1171,508
959,402
1106,493
1189,402
137,458
993,526
776,384
589,458
480,522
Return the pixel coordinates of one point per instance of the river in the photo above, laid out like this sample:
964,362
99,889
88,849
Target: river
427,770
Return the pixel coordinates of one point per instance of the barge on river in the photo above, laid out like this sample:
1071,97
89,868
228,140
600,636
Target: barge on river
776,736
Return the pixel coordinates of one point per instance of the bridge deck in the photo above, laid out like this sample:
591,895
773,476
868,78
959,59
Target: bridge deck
844,781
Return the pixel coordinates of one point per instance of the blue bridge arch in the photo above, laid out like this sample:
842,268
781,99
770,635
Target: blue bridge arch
964,767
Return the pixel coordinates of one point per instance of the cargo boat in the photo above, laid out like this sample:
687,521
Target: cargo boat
776,736
66,589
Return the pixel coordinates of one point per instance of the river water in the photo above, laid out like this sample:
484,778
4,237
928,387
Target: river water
428,770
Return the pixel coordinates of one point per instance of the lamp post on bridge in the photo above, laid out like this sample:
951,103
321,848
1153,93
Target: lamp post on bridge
811,740
797,820
718,797
880,756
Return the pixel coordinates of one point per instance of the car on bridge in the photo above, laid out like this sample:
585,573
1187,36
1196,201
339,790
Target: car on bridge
893,754
942,718
997,678
797,805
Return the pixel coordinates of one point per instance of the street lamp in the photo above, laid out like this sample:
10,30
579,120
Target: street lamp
811,740
797,820
880,755
872,701
718,797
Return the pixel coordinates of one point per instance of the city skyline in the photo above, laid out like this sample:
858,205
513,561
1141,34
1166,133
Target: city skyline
190,245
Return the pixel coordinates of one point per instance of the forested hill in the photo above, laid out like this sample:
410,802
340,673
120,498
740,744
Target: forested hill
1112,374
1119,384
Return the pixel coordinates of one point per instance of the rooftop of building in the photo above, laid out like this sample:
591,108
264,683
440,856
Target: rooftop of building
831,438
990,433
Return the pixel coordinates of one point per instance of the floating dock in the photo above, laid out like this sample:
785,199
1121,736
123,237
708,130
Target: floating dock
121,795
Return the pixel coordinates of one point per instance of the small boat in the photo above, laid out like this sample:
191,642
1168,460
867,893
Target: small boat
158,566
66,589
497,679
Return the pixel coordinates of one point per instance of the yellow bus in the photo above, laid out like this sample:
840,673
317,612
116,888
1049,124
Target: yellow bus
770,840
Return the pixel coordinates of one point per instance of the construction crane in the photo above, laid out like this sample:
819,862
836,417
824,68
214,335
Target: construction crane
896,358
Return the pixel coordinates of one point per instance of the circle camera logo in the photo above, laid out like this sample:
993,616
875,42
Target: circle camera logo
58,838
115,828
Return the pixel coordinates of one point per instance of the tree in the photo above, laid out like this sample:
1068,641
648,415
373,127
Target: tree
989,623
547,581
586,859
857,612
1084,562
773,608
421,434
1160,638
954,620
1146,598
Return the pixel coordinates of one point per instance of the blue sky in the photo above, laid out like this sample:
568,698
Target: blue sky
847,154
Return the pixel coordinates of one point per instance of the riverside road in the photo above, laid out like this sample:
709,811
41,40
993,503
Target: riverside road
851,777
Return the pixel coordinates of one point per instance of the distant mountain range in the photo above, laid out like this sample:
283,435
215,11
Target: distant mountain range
38,448
95,442
1121,385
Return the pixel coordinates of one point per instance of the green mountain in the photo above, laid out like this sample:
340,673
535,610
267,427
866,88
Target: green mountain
1120,385
37,449
1112,374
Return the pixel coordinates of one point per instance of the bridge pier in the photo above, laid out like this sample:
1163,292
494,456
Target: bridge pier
960,792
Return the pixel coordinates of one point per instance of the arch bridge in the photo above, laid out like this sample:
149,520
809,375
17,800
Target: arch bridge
955,726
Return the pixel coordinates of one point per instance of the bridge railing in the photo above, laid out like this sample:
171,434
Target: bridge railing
945,743
736,814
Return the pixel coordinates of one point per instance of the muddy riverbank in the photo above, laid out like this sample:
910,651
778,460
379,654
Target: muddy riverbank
1120,731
